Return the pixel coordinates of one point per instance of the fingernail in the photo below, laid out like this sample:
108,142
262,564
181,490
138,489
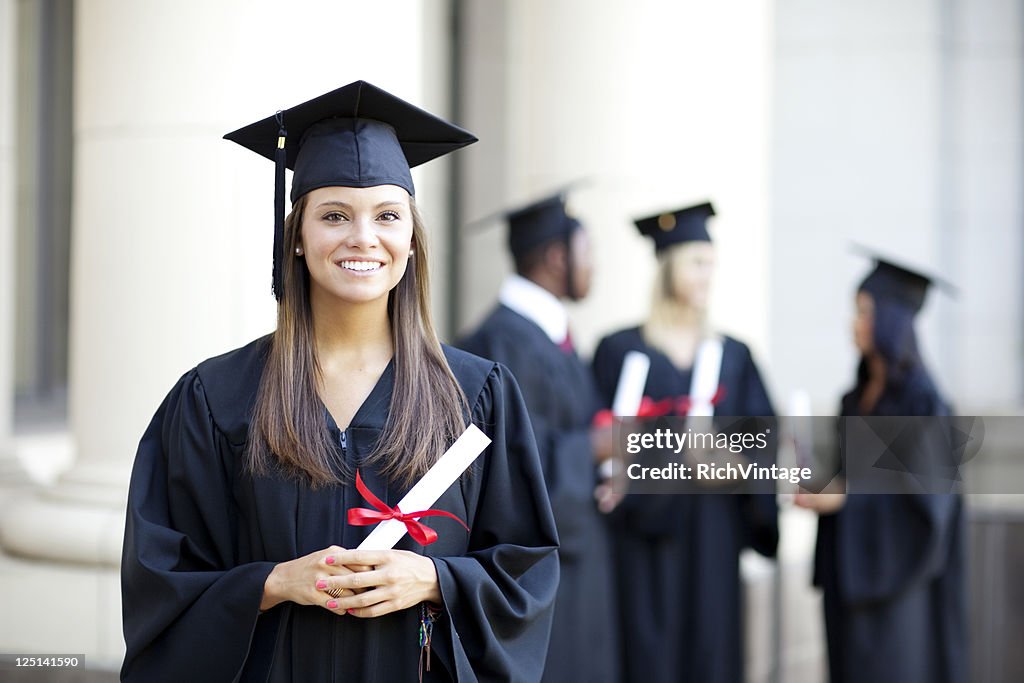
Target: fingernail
321,584
330,560
332,604
351,611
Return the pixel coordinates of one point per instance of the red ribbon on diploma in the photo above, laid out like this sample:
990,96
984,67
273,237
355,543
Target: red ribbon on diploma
422,533
650,408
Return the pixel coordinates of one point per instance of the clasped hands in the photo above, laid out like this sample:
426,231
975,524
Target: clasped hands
369,583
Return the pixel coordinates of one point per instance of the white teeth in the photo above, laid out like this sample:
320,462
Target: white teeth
361,265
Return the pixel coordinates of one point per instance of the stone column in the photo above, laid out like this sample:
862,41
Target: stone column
172,225
10,471
658,105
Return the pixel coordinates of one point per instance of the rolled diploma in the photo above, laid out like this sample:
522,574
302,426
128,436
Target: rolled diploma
629,392
430,487
800,429
632,379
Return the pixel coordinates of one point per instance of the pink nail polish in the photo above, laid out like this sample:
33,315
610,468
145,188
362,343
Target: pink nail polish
332,604
330,560
321,584
351,611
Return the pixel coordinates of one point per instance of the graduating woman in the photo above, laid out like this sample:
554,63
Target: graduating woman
239,563
891,566
680,593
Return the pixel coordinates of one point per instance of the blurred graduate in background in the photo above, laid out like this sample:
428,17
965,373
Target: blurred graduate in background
891,566
528,331
678,555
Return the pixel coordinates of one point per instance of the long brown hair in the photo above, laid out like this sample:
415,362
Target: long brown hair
428,407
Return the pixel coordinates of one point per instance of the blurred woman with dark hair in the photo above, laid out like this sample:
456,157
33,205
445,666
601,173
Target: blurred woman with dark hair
891,565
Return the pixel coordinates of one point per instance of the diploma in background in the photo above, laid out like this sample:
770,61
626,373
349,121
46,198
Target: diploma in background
629,393
430,487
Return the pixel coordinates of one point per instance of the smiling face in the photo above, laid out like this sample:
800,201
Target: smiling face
356,241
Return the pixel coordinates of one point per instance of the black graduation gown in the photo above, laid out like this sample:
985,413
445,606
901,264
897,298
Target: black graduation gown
679,580
562,400
202,536
893,573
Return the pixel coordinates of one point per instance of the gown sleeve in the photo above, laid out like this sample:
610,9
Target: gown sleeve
499,596
566,453
606,365
891,542
759,509
182,587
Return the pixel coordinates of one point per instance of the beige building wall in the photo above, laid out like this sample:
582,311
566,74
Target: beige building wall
898,125
657,104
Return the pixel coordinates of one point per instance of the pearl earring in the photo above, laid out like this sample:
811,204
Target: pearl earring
298,251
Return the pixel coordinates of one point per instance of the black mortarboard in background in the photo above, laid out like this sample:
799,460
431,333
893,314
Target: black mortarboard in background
355,136
539,223
688,224
890,281
896,282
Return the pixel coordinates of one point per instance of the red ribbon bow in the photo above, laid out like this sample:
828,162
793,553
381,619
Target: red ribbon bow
423,534
650,408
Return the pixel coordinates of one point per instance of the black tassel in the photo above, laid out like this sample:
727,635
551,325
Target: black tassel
280,163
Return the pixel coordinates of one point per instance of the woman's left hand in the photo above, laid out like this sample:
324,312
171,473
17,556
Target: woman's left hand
396,580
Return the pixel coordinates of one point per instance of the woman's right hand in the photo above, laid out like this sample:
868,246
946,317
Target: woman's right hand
302,580
828,502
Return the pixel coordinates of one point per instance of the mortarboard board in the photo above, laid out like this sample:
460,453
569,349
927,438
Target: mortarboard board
688,224
896,282
355,136
538,223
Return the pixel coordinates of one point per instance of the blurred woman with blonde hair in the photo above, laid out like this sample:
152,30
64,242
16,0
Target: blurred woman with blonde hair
678,553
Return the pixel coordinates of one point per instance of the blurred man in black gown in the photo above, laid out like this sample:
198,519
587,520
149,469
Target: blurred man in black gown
528,331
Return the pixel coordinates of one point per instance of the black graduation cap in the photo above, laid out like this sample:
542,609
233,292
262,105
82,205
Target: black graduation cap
688,224
355,136
538,223
896,282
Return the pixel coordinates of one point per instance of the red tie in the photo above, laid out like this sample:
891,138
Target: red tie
566,344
